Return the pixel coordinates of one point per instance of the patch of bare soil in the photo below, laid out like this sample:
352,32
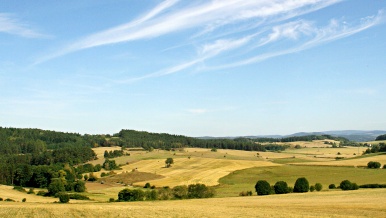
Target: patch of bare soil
130,177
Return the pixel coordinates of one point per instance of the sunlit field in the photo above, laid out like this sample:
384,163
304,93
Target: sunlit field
360,203
229,172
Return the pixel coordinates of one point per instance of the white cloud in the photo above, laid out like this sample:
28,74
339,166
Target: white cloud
11,25
313,36
305,32
201,14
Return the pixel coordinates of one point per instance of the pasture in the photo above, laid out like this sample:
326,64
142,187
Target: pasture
245,180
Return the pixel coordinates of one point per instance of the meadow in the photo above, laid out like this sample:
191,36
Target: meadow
229,172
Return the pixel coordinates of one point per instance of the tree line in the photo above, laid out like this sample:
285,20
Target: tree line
33,157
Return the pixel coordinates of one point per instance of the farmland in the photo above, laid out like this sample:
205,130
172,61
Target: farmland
229,172
360,203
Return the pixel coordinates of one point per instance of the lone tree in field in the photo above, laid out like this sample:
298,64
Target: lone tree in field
301,185
263,187
281,187
169,161
318,187
63,197
373,165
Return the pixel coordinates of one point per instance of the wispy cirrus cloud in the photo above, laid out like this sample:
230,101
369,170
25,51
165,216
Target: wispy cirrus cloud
200,15
312,36
241,29
11,25
303,35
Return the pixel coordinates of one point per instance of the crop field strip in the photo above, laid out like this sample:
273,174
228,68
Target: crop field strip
360,203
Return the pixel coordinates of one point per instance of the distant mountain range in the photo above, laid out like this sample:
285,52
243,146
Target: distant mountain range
352,135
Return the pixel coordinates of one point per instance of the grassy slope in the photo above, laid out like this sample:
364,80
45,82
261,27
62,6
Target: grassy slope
245,180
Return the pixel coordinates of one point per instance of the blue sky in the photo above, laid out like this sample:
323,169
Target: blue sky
197,68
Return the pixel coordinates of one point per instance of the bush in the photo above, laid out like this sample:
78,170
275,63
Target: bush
312,188
200,191
281,187
165,194
245,193
384,166
151,195
318,187
78,197
92,178
301,185
63,197
332,186
56,186
111,200
1,199
79,186
373,186
180,192
24,200
262,187
347,185
9,199
373,165
31,191
69,187
147,185
42,193
19,188
131,195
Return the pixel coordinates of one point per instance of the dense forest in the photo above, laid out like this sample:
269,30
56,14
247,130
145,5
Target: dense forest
381,137
34,157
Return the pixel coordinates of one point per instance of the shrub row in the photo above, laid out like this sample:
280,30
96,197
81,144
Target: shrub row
373,186
262,187
178,192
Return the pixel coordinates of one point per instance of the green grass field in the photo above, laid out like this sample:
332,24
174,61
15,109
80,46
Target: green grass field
245,180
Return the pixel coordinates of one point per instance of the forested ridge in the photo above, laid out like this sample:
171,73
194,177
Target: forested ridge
34,157
381,137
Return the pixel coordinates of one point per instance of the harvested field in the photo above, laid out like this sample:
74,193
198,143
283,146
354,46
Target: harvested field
131,177
186,171
9,192
100,151
355,162
360,203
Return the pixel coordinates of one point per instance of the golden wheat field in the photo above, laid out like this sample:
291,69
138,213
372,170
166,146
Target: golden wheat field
356,162
360,203
186,171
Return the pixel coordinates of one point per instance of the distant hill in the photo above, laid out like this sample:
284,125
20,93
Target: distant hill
352,135
357,135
